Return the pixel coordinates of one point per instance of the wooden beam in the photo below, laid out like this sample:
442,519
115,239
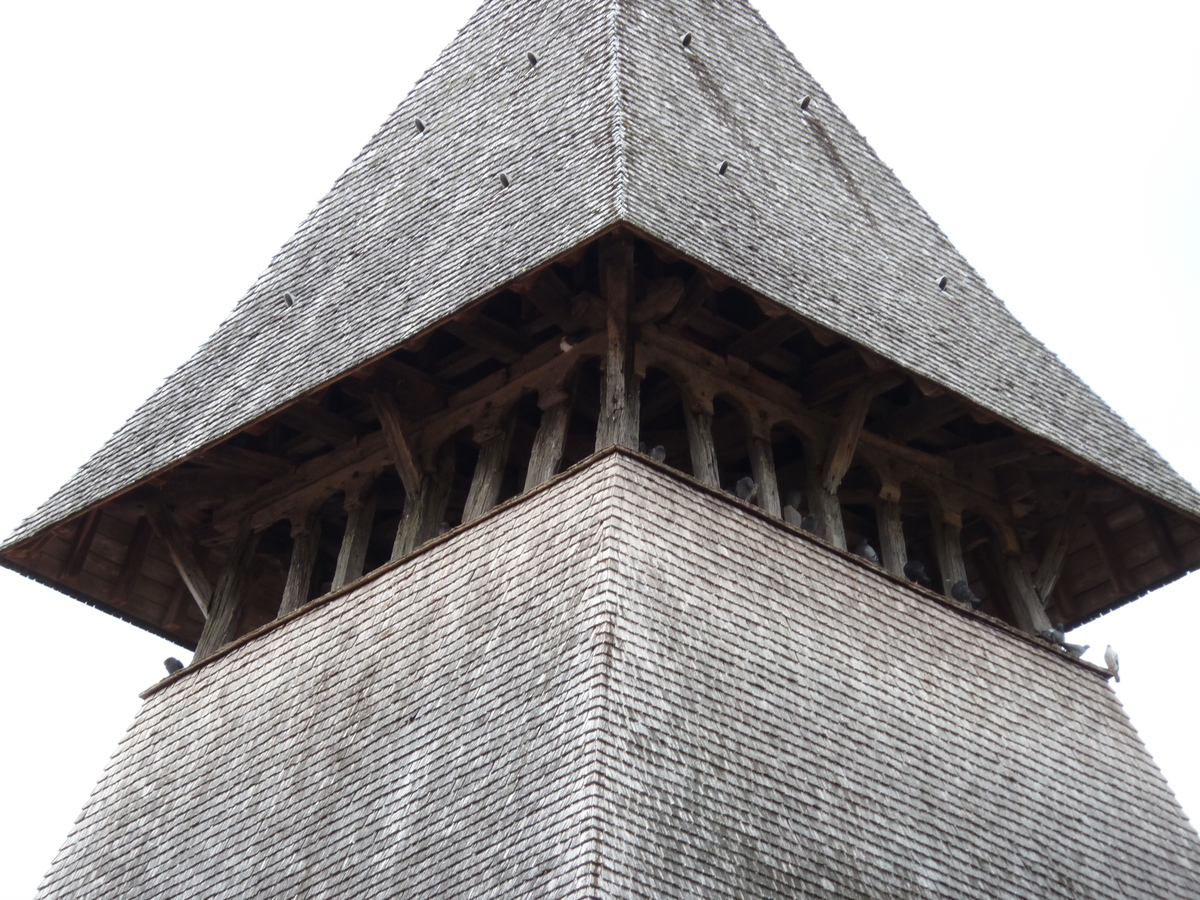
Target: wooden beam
1023,599
619,410
489,472
229,596
826,507
700,444
490,336
403,457
947,546
551,295
762,467
833,376
318,422
182,555
892,550
845,435
172,613
990,454
661,298
1055,557
423,512
306,542
1167,548
131,566
81,544
245,462
1110,552
352,557
696,294
920,417
769,334
550,440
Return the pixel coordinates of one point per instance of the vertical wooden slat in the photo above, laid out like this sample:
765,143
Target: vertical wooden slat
229,595
424,511
892,550
489,473
762,466
131,566
618,422
185,561
306,540
947,545
81,544
549,443
826,507
700,443
1055,556
352,556
1026,605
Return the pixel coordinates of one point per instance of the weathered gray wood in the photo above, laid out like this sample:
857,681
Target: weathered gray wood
762,467
947,545
306,540
352,555
826,507
1110,552
81,543
700,445
619,413
1055,557
423,512
489,473
184,559
1023,599
1167,548
229,595
403,457
892,550
844,442
131,566
549,443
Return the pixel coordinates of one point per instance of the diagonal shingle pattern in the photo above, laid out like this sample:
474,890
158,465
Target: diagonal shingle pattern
624,685
617,122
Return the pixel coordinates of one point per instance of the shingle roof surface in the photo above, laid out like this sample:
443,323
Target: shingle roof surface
616,122
626,686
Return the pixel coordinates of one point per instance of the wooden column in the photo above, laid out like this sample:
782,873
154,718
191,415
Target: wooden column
547,445
1055,556
424,511
946,525
131,567
489,472
403,457
180,551
306,539
352,556
826,507
892,550
619,413
762,466
842,445
1026,605
698,416
229,595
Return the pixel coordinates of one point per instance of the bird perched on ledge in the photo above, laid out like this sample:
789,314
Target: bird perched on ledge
914,571
866,551
1113,662
172,665
746,489
961,591
658,453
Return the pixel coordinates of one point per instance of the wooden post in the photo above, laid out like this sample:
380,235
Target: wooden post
844,441
946,524
131,567
306,539
489,472
619,413
762,465
403,457
229,595
698,417
1055,556
550,441
352,556
180,551
826,507
892,550
1110,552
423,512
1022,596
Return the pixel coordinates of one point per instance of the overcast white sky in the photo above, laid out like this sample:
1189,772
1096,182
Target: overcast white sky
156,155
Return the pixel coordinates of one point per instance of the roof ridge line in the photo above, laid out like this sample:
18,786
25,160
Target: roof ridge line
618,126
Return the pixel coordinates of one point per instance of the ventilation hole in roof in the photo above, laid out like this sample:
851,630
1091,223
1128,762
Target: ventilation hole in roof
420,127
532,60
942,282
503,180
724,168
289,298
806,101
687,39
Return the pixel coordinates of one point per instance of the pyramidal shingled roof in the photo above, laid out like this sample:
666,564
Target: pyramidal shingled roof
618,121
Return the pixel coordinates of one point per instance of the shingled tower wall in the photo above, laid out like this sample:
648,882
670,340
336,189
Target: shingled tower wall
508,516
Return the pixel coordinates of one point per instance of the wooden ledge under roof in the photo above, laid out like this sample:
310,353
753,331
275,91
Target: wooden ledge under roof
498,398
